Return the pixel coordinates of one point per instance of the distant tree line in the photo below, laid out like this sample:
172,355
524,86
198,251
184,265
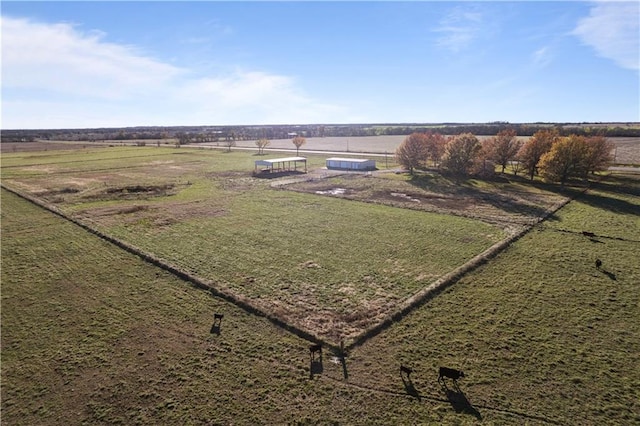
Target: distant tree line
199,134
547,153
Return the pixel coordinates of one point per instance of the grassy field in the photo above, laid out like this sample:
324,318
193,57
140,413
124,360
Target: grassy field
93,335
332,267
540,330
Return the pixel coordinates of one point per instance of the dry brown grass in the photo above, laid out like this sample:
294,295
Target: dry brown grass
507,201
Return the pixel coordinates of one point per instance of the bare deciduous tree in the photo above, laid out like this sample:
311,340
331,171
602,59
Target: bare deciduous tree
229,143
262,144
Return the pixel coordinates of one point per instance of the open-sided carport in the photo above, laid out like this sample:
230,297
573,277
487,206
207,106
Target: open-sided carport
276,165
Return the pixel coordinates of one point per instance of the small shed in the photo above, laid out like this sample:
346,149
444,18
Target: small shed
351,164
277,165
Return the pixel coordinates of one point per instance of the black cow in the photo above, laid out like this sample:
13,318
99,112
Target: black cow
217,323
217,318
313,349
598,263
406,370
450,373
588,234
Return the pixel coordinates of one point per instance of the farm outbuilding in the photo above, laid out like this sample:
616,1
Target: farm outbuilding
276,165
351,164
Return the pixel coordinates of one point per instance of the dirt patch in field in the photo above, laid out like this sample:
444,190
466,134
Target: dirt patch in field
498,203
133,192
233,180
152,190
156,216
322,321
433,201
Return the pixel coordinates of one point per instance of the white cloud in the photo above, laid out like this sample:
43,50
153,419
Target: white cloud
612,29
459,28
54,75
541,57
59,59
266,97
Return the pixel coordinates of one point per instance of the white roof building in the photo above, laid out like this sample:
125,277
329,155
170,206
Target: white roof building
351,163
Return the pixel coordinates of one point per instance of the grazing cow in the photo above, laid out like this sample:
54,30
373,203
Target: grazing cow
217,318
217,323
406,370
313,349
598,263
588,234
450,373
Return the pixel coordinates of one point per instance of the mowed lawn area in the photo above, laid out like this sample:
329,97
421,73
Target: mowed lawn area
94,335
329,266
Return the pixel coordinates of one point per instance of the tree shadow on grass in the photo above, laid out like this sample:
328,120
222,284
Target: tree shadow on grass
467,189
612,184
614,205
620,184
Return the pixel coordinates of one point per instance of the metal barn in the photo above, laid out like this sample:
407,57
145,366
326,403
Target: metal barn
351,164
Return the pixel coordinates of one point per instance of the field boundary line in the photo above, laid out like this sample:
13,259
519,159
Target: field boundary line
407,306
450,278
185,276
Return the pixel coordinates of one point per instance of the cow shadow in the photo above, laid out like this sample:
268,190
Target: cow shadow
316,367
217,323
459,401
611,275
410,388
215,329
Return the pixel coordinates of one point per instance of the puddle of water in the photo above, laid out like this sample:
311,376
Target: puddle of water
334,191
405,196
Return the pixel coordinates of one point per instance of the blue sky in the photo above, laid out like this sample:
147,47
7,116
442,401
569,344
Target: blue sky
116,64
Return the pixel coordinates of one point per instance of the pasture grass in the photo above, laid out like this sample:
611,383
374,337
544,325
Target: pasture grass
332,267
540,332
93,335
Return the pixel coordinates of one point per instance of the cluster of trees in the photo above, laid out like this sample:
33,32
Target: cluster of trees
556,158
418,148
191,134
